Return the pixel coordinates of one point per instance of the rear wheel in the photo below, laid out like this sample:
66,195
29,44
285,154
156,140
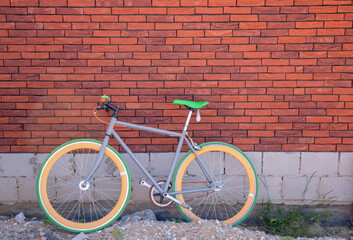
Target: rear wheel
234,190
73,205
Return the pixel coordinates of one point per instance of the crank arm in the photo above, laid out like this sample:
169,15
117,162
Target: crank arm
187,206
145,184
166,195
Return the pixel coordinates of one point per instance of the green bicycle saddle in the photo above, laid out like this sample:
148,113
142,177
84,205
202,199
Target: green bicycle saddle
190,104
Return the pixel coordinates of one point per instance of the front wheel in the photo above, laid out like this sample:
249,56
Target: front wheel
77,207
234,189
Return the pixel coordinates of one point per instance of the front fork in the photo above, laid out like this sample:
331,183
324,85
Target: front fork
101,151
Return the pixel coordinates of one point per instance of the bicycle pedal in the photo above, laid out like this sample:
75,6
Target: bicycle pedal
187,206
145,184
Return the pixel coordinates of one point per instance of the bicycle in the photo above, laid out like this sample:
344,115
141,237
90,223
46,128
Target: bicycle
84,185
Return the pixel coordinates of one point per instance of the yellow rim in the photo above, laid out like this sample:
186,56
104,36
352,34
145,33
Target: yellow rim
240,158
44,195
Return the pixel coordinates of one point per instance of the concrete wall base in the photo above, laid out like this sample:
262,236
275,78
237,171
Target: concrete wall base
283,176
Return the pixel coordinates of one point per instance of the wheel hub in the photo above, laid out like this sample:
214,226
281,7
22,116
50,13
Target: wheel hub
84,185
217,186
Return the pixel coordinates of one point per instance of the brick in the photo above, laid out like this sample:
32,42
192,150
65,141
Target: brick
208,10
316,54
178,11
70,10
250,3
57,25
26,25
265,119
244,17
111,3
78,18
301,17
279,3
153,11
193,3
252,25
280,25
220,62
218,33
302,2
219,3
337,2
97,33
5,3
330,31
275,32
179,41
302,32
347,47
330,17
309,24
11,55
165,3
118,10
343,39
338,24
159,18
275,62
216,18
50,33
95,11
340,54
268,10
81,3
343,69
345,8
348,16
161,63
48,18
24,3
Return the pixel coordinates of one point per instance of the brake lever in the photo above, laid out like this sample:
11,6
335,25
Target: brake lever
100,107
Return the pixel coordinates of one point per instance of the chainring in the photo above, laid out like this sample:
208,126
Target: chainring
157,198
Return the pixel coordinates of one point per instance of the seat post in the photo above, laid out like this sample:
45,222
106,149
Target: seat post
187,121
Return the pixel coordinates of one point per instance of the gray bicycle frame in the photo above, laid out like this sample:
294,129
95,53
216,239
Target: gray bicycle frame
110,131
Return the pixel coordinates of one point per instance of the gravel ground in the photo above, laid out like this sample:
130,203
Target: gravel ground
138,226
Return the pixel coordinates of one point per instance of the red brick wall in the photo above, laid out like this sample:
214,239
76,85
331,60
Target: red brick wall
278,73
